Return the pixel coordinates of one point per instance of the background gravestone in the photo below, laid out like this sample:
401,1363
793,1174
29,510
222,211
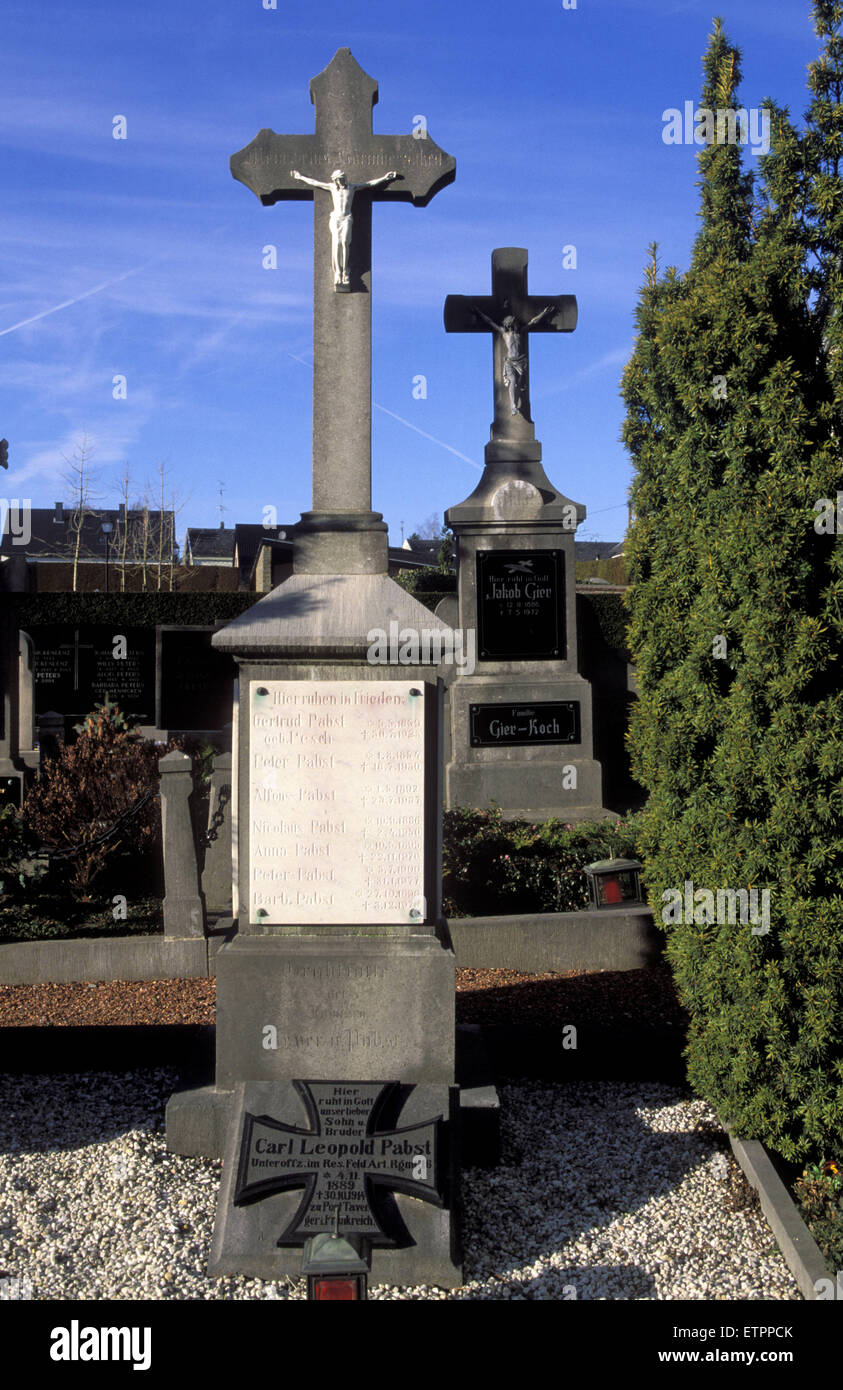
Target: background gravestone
521,723
195,682
76,666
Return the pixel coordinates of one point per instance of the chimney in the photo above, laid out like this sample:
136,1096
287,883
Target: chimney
222,525
123,516
57,514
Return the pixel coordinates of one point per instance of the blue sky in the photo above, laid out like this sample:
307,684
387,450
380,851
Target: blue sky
143,257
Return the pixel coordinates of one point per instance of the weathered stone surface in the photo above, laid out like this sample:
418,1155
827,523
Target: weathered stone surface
626,939
325,617
357,986
344,913
343,95
183,910
328,1006
109,958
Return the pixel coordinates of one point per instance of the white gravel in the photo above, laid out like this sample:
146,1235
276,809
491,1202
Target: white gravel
610,1190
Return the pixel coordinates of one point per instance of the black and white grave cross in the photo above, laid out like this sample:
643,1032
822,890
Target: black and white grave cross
343,167
511,314
351,1150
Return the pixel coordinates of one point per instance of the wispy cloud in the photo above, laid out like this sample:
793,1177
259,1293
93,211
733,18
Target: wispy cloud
602,364
431,437
408,425
66,303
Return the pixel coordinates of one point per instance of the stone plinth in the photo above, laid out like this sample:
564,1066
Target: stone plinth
342,970
522,721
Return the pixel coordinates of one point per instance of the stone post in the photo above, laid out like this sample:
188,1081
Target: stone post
50,736
9,763
26,695
183,911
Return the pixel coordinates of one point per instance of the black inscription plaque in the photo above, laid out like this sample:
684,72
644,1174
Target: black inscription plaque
197,681
520,605
548,721
348,1162
75,667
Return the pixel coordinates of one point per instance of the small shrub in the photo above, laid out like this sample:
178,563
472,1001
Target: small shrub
819,1192
492,867
88,787
17,846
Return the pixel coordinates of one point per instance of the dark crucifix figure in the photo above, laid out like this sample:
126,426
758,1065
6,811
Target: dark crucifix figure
515,360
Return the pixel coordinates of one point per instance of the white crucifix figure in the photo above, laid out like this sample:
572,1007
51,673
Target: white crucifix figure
342,198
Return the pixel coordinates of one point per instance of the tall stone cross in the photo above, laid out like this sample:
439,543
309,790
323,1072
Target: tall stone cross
511,314
343,167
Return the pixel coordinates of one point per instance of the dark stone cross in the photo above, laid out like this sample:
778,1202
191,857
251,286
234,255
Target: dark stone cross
340,1159
511,314
399,168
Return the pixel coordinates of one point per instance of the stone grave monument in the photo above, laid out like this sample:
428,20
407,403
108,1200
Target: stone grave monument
334,1099
521,723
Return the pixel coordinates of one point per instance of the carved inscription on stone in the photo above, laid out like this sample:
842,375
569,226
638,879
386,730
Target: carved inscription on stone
336,802
350,1154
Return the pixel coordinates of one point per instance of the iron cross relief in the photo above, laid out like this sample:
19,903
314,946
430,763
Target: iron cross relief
351,1148
511,314
340,162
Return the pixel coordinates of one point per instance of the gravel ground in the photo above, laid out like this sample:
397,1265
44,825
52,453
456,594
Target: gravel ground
483,996
605,1191
610,1190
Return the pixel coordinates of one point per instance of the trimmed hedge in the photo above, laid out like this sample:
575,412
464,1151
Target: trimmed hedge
135,610
736,630
492,867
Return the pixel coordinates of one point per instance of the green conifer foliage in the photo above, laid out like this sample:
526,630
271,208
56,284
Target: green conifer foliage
735,624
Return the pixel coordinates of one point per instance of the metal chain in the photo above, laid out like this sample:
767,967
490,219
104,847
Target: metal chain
73,850
219,815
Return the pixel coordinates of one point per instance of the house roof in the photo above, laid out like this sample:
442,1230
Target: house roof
596,550
211,542
248,538
53,537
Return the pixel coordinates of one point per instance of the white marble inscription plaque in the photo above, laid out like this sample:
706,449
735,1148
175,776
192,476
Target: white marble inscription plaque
336,801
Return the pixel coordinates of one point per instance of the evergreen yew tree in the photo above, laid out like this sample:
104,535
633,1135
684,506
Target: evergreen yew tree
736,625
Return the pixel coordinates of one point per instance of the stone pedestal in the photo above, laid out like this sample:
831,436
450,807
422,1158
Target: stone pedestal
521,723
342,970
322,1007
